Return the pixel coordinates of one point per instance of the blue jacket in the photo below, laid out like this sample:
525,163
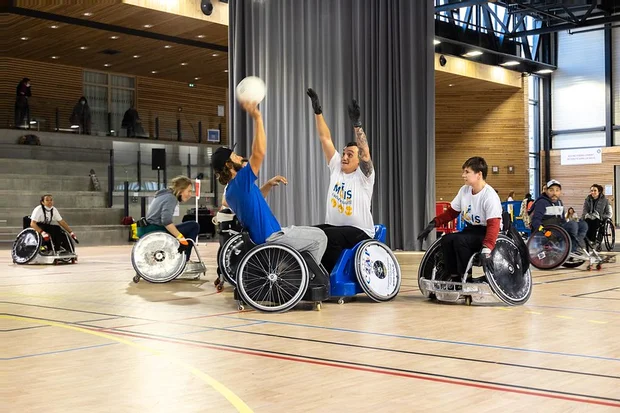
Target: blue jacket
545,212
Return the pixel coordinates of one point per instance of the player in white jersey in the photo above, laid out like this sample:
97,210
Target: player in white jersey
481,210
348,219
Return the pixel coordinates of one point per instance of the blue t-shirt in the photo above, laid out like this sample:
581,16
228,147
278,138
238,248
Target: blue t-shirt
247,202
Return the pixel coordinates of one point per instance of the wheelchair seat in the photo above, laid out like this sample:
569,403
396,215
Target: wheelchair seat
369,267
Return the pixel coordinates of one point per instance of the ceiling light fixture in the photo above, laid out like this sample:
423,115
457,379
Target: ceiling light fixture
451,84
113,37
136,56
225,70
83,47
436,42
167,46
87,14
215,55
54,27
147,26
184,64
107,64
544,71
54,57
153,71
201,36
510,63
24,38
473,53
197,78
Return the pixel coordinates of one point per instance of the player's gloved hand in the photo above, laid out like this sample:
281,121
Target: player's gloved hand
355,114
486,261
45,236
182,239
422,235
74,237
316,105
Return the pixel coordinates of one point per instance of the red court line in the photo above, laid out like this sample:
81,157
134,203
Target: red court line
369,369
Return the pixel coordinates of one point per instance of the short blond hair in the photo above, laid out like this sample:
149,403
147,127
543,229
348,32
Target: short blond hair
179,184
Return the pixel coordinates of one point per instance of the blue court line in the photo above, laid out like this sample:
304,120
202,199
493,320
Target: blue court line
433,340
57,351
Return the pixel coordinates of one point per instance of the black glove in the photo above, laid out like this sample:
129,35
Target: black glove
182,248
316,105
486,261
422,235
354,114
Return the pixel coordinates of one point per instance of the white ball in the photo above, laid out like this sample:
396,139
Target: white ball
251,89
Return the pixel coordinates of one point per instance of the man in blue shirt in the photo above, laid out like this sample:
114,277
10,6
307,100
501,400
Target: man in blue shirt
247,201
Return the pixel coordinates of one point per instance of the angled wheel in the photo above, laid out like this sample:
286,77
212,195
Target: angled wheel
431,265
228,258
377,270
272,278
510,281
549,248
609,234
26,246
156,257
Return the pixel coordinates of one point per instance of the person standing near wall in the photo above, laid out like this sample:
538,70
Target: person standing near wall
22,108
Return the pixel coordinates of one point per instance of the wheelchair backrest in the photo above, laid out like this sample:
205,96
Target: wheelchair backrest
26,221
380,233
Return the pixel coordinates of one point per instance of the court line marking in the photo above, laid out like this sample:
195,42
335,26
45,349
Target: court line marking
391,371
595,292
434,340
232,398
56,351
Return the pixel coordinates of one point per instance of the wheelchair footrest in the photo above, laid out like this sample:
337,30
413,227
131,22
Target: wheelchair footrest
317,293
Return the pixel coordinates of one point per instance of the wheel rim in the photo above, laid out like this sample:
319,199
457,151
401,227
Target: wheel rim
377,270
509,282
156,258
549,248
610,235
229,258
272,277
432,261
26,246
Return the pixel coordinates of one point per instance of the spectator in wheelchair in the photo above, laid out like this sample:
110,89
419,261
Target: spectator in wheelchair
348,219
161,211
481,209
247,200
596,209
47,221
549,210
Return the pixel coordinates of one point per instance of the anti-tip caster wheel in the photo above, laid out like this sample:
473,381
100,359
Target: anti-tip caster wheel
136,279
217,282
468,300
589,268
317,306
219,287
240,307
599,267
341,300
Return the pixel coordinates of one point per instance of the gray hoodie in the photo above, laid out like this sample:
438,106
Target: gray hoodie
162,208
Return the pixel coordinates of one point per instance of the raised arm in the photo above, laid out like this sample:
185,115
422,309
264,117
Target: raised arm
275,181
259,145
366,165
325,135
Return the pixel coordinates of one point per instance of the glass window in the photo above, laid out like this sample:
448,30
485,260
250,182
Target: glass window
108,94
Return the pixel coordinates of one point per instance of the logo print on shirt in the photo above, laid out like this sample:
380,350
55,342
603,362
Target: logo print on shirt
342,199
468,218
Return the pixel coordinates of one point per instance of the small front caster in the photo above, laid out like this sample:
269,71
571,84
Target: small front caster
341,300
240,307
599,267
468,300
317,306
219,287
136,278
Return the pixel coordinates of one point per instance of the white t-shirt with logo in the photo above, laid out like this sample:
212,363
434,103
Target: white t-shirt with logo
477,209
349,197
37,216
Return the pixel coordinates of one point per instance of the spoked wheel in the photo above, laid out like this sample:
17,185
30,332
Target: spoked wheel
609,234
26,246
432,262
377,270
228,258
272,278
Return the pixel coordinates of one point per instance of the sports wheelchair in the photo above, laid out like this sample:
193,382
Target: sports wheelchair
510,282
605,235
552,247
158,257
29,248
368,267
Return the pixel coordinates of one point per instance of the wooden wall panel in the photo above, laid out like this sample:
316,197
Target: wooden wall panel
61,86
577,179
488,123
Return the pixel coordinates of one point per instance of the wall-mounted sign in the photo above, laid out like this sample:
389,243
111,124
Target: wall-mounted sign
213,135
581,156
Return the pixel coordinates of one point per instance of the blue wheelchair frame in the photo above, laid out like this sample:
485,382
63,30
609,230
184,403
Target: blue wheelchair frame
517,223
343,278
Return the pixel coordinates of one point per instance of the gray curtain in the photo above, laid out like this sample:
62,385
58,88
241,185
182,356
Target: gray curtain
378,51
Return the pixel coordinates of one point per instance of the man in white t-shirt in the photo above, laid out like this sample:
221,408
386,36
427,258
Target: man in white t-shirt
46,220
348,219
481,210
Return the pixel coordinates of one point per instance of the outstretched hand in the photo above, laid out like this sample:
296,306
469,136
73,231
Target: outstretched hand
422,235
355,114
486,260
316,104
251,108
276,180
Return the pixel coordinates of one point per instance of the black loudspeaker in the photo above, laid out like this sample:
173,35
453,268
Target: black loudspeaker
158,157
207,7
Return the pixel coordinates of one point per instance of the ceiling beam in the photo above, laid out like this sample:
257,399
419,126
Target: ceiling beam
111,28
565,26
460,4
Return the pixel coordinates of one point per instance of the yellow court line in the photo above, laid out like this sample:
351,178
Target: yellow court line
533,312
219,387
565,316
598,322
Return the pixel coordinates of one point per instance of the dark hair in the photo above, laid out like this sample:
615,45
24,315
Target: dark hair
599,187
45,210
348,145
224,176
477,164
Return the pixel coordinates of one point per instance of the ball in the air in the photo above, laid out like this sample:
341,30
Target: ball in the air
251,89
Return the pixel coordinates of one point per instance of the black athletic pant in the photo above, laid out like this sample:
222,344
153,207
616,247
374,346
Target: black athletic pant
593,225
338,239
57,234
458,248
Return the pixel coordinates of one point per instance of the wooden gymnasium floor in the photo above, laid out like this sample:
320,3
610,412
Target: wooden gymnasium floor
84,338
